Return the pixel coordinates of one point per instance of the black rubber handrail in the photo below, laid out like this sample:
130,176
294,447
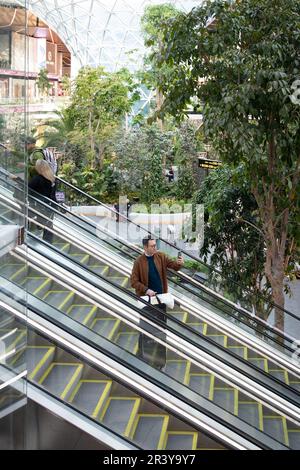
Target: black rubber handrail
212,294
198,260
178,274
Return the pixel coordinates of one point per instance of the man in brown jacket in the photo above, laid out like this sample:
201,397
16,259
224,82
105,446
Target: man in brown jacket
149,273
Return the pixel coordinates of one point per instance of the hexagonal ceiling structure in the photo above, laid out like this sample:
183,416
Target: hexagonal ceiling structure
99,32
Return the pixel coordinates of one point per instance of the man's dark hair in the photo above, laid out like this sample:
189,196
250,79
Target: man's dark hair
147,240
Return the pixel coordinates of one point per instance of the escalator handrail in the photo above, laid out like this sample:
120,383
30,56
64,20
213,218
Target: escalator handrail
251,317
197,284
232,361
204,405
90,222
74,188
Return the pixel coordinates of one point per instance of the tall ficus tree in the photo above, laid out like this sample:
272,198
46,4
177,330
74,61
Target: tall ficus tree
152,75
248,54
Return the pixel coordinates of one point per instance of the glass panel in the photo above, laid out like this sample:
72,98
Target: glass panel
183,319
197,274
13,126
119,332
99,396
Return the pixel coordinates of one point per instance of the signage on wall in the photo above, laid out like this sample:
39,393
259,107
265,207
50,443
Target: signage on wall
51,57
208,164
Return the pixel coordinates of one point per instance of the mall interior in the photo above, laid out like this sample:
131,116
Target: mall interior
84,363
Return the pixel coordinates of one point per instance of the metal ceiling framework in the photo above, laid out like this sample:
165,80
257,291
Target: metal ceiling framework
99,32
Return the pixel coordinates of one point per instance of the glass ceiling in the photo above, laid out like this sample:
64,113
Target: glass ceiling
100,32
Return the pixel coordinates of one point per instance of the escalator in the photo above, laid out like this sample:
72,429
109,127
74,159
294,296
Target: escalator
212,304
255,355
202,381
68,308
70,380
200,276
202,282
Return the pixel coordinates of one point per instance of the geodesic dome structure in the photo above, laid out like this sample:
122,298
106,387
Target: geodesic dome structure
100,32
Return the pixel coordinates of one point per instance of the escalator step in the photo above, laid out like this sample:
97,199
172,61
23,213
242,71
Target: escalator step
56,298
180,315
179,370
82,313
280,374
38,359
294,439
275,426
150,430
128,340
227,399
120,413
61,378
251,413
90,395
239,351
202,384
199,327
32,284
295,384
120,280
181,440
9,270
13,338
98,268
220,339
260,362
106,327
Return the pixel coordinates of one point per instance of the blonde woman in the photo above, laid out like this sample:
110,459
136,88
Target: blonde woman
42,186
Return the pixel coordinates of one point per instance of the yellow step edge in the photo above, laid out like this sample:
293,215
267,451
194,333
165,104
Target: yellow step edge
54,364
245,355
54,292
260,417
265,360
74,377
163,430
16,357
102,399
51,350
69,296
126,333
187,373
133,414
285,374
124,283
14,343
17,272
225,388
89,315
284,425
183,433
84,259
236,402
37,290
211,388
132,417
